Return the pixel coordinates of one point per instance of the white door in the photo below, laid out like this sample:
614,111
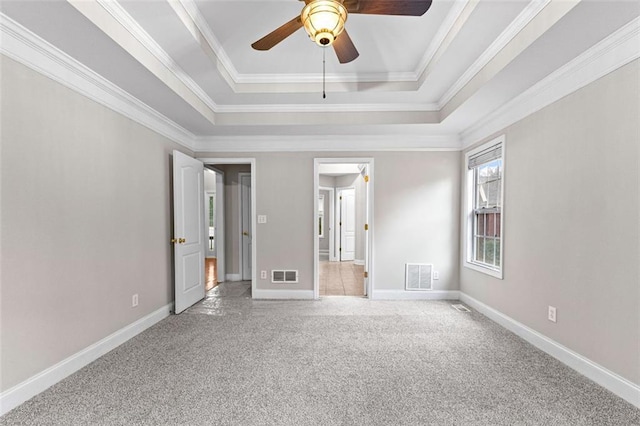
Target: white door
188,224
245,211
347,224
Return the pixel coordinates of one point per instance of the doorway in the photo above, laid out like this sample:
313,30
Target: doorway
214,226
246,230
343,266
235,237
190,233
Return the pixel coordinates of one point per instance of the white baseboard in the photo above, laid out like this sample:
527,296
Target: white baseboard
609,380
282,294
233,277
325,252
13,397
415,295
358,262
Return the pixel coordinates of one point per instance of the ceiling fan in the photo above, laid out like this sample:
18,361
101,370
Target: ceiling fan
324,22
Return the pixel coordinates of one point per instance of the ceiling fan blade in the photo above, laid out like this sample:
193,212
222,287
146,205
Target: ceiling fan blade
388,7
279,34
344,48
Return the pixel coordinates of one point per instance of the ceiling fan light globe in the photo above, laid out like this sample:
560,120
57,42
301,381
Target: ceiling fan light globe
324,20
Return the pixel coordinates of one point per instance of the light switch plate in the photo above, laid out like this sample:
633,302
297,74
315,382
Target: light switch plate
262,218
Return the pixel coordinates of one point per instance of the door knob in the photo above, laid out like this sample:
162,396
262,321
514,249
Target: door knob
182,240
245,233
173,241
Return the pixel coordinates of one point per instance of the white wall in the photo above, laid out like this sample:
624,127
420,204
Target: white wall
85,221
571,224
416,214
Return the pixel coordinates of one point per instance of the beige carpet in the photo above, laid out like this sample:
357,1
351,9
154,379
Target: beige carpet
335,361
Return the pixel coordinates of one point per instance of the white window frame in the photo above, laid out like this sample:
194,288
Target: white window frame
470,189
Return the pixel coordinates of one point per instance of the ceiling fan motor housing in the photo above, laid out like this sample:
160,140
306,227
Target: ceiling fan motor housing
324,20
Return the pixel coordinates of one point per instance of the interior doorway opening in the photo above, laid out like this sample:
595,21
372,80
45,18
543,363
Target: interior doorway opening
343,222
214,193
233,242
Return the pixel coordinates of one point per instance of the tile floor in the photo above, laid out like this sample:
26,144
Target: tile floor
341,279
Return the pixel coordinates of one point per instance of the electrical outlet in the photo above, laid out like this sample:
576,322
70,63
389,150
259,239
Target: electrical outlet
134,301
552,314
436,275
263,275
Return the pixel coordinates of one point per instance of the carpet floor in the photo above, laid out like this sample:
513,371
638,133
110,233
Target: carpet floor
336,361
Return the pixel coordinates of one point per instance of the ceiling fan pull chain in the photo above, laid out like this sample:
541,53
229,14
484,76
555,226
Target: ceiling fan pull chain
324,94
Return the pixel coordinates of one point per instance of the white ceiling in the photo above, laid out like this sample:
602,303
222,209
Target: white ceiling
434,76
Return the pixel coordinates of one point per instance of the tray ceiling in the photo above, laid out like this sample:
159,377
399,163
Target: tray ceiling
436,75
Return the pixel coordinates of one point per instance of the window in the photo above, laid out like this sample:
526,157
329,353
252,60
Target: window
485,173
321,216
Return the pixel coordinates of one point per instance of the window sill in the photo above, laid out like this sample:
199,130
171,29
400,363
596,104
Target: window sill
492,272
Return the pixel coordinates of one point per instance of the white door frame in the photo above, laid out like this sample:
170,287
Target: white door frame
220,224
332,220
241,211
254,217
368,234
220,235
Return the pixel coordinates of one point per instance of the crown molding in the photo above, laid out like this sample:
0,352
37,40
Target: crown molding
221,59
22,45
445,29
333,143
317,108
135,29
521,21
615,51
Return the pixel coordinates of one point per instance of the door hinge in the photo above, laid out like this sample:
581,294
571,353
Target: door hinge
366,178
366,274
340,223
366,226
340,249
341,197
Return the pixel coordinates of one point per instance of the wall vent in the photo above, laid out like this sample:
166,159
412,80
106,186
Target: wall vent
282,276
418,276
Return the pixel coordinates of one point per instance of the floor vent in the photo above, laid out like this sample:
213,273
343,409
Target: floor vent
460,308
418,276
282,276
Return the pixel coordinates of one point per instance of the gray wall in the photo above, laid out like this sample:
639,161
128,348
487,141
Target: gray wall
328,181
85,222
571,224
416,213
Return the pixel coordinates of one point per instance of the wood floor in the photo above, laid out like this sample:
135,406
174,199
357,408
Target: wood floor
210,273
341,279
